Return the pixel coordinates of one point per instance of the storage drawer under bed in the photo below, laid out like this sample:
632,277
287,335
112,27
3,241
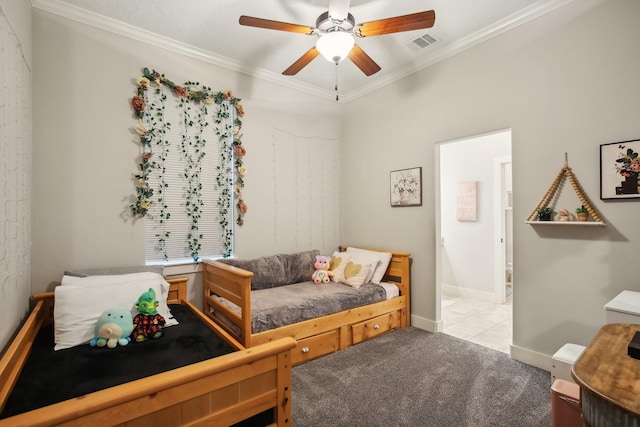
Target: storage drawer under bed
374,327
316,346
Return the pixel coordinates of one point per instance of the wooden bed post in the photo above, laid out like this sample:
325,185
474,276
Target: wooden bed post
283,415
13,359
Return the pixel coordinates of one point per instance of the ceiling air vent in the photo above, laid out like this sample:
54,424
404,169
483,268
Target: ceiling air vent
421,42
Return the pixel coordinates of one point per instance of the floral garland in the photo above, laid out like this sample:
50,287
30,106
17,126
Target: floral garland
202,96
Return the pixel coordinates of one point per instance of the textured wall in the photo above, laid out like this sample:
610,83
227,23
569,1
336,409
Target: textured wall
15,181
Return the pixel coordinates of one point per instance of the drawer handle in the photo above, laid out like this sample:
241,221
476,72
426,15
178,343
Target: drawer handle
305,349
376,326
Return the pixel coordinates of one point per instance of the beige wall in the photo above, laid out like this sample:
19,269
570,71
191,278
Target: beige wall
85,150
563,83
18,14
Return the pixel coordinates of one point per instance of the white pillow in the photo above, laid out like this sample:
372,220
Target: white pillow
146,277
384,259
99,279
355,274
338,261
77,308
365,258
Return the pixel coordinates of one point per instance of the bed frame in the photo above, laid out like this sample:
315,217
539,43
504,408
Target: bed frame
315,337
217,392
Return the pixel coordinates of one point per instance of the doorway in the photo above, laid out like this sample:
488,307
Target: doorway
474,262
503,226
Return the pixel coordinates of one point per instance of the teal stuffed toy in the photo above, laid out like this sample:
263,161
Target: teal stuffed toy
113,327
148,322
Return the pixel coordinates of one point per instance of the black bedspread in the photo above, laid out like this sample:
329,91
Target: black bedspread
54,376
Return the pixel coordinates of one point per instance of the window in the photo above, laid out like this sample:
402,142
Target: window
189,179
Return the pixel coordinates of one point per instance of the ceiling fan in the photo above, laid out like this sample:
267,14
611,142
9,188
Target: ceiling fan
336,31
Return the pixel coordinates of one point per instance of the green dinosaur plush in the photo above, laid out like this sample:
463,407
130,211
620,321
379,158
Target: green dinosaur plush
148,323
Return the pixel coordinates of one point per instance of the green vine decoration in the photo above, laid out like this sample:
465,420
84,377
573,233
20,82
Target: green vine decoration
193,151
160,128
155,148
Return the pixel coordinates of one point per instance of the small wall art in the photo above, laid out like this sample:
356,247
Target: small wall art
406,187
620,170
467,201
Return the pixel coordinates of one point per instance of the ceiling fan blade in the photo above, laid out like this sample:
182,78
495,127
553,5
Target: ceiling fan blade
414,21
302,62
338,9
363,61
250,21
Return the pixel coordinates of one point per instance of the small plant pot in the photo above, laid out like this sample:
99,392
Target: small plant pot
582,216
544,217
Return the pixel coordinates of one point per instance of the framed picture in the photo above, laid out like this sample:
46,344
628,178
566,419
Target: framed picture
467,201
406,187
620,170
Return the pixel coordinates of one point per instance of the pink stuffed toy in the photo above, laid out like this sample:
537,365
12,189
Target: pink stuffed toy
322,273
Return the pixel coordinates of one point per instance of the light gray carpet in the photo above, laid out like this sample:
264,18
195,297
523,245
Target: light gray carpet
411,377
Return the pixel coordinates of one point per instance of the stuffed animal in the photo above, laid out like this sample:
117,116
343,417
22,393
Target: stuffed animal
563,215
113,327
322,273
148,323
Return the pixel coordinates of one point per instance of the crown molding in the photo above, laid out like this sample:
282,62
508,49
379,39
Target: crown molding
111,25
458,46
116,27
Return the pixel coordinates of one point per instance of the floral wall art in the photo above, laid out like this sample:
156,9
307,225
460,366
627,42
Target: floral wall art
406,187
176,119
620,170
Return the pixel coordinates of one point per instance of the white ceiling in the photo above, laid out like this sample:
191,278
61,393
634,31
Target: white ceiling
209,30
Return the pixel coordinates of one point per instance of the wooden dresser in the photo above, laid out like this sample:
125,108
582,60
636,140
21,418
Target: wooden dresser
609,378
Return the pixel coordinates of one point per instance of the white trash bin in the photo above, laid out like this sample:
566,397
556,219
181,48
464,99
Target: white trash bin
563,360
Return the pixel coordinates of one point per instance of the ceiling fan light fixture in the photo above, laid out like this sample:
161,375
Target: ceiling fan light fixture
335,45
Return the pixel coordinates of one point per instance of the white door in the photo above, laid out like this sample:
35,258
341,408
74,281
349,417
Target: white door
503,222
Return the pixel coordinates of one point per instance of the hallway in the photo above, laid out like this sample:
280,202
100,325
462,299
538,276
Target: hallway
485,323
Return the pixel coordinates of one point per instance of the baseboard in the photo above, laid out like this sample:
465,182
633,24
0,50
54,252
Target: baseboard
533,358
426,324
456,291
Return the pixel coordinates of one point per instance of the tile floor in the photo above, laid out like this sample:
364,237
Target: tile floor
481,322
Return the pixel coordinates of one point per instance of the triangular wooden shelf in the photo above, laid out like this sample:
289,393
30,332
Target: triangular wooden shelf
565,173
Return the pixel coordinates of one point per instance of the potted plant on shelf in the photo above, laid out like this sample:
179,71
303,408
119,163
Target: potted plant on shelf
544,214
582,213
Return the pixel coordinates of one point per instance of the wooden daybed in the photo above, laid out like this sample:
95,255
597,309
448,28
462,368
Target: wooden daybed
217,392
315,337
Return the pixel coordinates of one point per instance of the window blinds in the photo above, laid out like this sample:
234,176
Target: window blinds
180,135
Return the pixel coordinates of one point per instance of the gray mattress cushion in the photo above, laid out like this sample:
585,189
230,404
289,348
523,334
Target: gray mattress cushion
277,270
286,305
114,271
